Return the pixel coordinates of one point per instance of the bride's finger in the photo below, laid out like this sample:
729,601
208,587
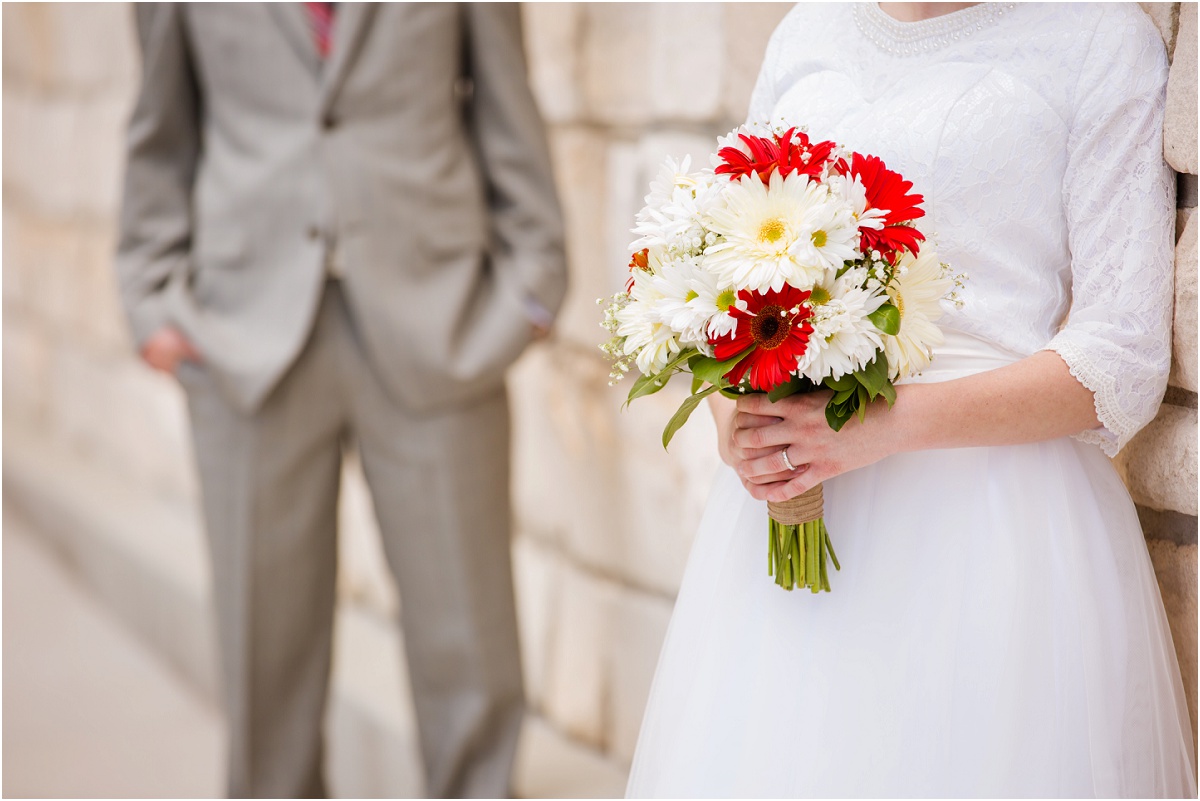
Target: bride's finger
762,492
799,484
772,436
746,420
773,467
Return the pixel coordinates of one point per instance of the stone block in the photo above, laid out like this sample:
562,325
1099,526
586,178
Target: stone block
98,315
665,492
1176,569
577,681
120,416
98,155
47,252
1166,18
538,579
564,454
553,44
1179,127
648,62
748,28
30,47
549,765
617,52
364,577
96,48
595,478
1159,464
687,60
1183,361
26,372
42,154
640,625
579,165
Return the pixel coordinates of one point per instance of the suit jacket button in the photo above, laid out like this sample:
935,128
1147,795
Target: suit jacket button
329,122
314,233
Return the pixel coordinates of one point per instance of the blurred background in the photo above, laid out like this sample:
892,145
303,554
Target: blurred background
110,671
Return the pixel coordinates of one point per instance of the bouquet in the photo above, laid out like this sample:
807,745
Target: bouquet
787,266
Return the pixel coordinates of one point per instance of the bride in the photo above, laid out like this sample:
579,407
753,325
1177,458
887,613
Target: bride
996,628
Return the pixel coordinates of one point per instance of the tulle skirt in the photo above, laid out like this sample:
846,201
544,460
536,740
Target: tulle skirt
996,629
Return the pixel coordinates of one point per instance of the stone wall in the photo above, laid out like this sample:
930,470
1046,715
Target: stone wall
605,517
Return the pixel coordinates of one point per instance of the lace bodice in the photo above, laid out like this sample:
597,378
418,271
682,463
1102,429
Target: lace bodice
1035,134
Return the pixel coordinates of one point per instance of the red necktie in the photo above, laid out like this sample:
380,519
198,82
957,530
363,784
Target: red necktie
320,19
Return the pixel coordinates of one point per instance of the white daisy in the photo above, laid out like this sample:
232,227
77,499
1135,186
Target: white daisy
646,335
713,302
676,306
844,340
852,192
917,291
672,218
773,233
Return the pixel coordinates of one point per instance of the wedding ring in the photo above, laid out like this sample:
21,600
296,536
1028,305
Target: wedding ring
787,461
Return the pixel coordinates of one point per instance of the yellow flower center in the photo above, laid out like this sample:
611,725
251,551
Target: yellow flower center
819,296
819,238
898,302
690,296
771,230
726,299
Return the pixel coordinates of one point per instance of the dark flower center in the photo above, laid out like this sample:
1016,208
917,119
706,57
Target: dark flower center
770,327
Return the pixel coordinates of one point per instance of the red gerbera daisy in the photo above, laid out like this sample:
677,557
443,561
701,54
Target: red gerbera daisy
790,152
775,325
888,190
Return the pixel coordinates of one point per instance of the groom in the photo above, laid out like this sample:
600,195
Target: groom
340,222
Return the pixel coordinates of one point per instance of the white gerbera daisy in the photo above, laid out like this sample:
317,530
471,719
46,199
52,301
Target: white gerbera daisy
714,302
773,233
672,218
844,340
851,191
917,291
676,306
647,337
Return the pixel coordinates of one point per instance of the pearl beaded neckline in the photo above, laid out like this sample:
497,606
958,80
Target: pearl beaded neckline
913,38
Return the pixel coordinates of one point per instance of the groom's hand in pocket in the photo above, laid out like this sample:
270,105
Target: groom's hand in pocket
166,348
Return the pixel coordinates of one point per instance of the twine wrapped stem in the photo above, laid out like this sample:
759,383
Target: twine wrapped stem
804,508
799,542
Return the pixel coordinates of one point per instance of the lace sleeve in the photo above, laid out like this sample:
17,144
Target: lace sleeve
1119,200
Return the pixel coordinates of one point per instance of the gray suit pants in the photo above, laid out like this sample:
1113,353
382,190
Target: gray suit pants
440,484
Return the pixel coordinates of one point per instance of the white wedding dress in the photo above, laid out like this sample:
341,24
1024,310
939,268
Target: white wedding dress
996,628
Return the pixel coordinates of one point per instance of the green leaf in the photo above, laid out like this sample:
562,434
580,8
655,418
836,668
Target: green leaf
843,396
647,385
846,383
874,376
836,415
785,390
863,400
708,369
889,393
886,318
684,412
680,359
697,382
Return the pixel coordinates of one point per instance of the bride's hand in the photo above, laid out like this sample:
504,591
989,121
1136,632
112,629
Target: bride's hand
724,410
761,431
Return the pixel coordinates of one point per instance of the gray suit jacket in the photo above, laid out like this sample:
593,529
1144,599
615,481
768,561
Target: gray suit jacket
416,156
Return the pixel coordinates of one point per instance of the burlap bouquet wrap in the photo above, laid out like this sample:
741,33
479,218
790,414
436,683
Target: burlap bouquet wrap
799,542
